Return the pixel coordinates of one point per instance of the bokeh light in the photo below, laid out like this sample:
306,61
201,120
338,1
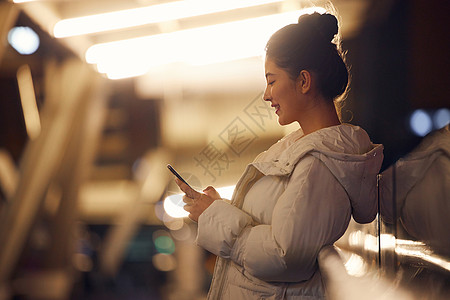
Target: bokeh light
441,118
420,122
159,210
24,40
182,234
163,242
173,223
164,262
173,205
356,266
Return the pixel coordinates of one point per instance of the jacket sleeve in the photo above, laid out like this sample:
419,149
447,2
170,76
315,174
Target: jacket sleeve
312,212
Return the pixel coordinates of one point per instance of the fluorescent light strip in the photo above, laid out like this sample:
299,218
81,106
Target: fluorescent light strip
423,253
203,45
148,15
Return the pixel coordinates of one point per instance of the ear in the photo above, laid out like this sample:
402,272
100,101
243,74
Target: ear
304,81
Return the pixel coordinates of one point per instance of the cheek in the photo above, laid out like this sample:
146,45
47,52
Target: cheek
277,91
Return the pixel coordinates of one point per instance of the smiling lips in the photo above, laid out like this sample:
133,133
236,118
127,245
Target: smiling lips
277,107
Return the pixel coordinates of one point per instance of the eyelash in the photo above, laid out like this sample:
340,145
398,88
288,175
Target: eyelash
270,83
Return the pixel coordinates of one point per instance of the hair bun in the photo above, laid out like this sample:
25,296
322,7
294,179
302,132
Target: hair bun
326,24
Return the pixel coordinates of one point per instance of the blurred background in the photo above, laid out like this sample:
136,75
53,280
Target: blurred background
98,96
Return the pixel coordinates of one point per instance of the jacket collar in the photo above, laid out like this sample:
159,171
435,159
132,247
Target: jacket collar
282,157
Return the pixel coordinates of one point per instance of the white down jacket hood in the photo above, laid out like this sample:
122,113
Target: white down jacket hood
295,198
346,151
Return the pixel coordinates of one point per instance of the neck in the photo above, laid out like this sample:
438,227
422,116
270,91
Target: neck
321,114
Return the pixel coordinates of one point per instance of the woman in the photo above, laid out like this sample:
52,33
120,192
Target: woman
299,195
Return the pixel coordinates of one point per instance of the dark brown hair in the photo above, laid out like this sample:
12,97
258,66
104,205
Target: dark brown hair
308,45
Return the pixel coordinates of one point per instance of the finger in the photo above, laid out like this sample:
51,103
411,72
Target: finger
187,189
188,208
187,200
211,192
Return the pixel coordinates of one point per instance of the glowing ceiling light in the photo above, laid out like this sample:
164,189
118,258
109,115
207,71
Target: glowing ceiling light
203,45
173,204
148,15
24,40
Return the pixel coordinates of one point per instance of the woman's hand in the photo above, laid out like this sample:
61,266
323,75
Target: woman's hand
197,202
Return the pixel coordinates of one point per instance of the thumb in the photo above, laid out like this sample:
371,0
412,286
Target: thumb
211,192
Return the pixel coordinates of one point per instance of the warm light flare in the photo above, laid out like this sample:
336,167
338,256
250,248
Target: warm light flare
22,1
173,204
148,15
203,45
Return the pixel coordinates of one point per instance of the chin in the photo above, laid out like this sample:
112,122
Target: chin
283,122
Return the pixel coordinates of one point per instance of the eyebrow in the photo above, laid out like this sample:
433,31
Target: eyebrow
269,74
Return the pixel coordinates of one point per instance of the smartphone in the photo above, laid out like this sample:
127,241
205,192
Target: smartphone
178,175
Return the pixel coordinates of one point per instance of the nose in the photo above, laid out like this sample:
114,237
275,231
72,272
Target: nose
266,95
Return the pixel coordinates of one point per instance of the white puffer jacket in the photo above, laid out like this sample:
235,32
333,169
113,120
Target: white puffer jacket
292,200
422,190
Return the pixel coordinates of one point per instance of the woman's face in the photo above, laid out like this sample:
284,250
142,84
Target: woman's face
283,93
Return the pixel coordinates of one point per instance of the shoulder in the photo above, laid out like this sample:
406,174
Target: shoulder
309,168
280,146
